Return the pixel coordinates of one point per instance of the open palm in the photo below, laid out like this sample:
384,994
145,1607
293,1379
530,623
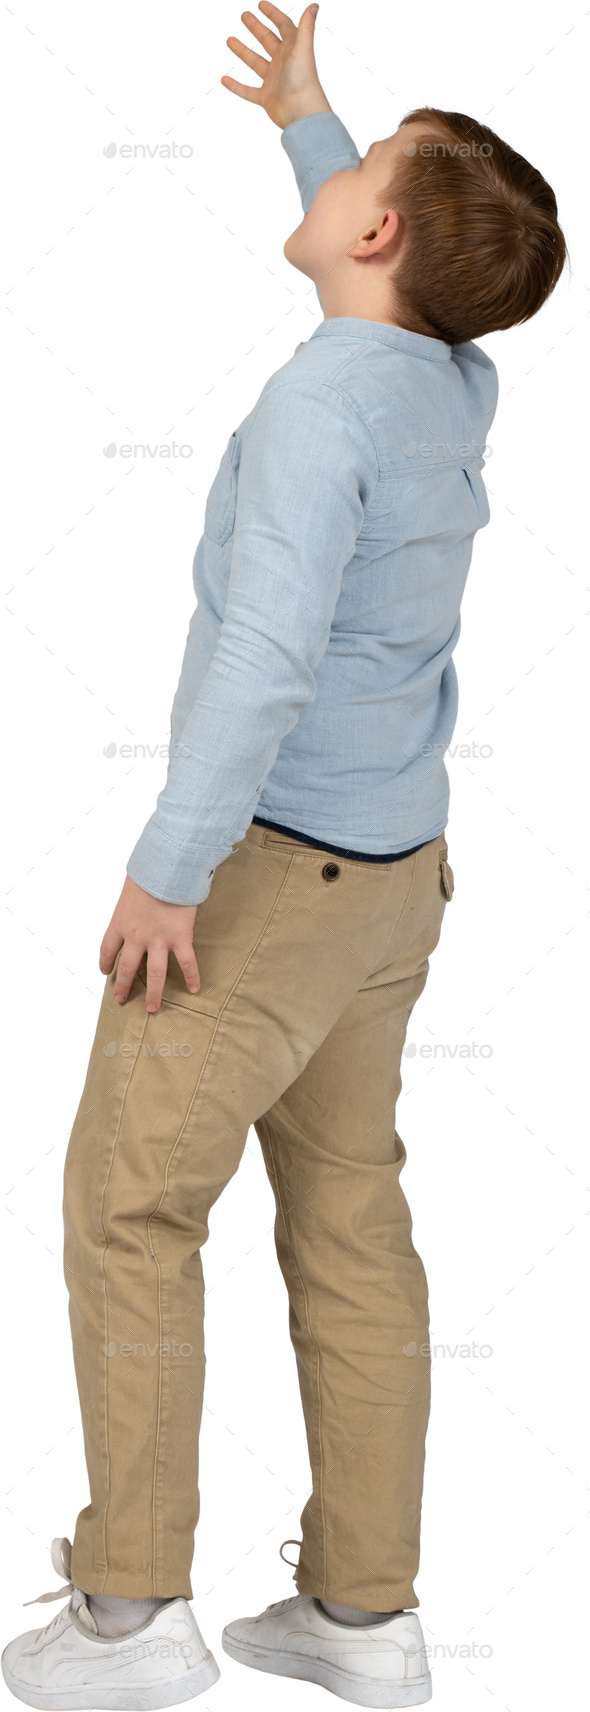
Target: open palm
291,88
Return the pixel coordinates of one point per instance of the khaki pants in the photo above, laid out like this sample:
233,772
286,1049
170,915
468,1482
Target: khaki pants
310,966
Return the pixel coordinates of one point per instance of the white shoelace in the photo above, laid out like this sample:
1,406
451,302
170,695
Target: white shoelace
61,1558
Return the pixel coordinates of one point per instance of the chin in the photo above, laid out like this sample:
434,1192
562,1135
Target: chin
294,250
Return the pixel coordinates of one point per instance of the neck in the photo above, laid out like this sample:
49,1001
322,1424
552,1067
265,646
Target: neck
352,300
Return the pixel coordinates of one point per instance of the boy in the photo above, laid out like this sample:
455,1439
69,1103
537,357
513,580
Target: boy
318,690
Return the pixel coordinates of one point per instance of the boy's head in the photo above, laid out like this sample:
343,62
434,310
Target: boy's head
442,228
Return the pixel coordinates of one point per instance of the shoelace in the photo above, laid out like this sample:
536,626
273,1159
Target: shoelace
281,1604
55,1621
61,1558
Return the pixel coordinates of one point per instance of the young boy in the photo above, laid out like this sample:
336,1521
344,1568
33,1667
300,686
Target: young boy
303,818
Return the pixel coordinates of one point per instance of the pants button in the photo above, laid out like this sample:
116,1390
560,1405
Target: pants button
331,871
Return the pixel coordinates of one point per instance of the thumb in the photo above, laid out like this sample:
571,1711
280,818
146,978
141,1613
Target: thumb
306,29
308,19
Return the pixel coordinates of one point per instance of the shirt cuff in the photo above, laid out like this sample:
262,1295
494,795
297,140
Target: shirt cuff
175,875
317,147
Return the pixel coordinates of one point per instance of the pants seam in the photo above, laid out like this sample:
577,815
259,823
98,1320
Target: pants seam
106,1304
267,1128
156,1209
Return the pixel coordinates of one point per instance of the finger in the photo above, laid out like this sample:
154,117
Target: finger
185,957
263,33
307,21
241,89
254,60
157,968
129,962
110,948
285,25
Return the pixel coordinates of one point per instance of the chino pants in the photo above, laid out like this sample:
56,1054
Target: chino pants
310,965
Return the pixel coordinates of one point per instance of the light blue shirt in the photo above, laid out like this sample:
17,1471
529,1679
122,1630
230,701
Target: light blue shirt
318,687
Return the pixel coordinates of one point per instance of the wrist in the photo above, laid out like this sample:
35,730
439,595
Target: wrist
304,109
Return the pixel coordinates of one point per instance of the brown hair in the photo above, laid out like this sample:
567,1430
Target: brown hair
483,248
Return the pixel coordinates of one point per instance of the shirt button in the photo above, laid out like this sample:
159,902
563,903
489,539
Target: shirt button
331,871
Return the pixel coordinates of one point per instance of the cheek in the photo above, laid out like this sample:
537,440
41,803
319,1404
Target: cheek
339,213
328,229
324,226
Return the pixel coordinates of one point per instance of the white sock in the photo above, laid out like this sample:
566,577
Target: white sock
357,1619
120,1616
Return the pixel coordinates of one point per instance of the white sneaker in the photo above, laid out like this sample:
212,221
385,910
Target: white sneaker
385,1665
69,1665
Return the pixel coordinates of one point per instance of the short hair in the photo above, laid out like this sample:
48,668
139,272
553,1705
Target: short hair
483,248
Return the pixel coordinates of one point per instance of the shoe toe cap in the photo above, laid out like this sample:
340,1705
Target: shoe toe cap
14,1651
242,1629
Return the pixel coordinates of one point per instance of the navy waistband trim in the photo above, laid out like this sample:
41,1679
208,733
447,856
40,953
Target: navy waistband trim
336,849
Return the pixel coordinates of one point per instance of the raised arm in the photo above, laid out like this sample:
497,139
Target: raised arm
318,146
314,138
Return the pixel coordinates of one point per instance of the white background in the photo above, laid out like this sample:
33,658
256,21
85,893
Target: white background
148,301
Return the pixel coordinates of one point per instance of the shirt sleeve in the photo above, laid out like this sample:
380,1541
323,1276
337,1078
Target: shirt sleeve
308,469
317,147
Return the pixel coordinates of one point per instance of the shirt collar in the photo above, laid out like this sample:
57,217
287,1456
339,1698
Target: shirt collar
382,333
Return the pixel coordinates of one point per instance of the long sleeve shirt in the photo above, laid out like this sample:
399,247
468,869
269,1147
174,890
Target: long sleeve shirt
318,688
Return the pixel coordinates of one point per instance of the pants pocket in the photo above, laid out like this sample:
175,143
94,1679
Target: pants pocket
447,878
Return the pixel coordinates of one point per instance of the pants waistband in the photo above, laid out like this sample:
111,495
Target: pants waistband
337,849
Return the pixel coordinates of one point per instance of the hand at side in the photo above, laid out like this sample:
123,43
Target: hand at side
140,924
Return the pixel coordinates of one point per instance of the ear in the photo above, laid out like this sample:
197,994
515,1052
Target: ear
378,239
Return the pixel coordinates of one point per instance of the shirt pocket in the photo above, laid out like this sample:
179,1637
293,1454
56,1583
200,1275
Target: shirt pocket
478,492
220,510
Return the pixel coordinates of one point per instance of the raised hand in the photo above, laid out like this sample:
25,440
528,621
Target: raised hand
291,88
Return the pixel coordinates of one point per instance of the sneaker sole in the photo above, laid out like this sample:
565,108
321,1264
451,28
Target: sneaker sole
366,1692
146,1697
